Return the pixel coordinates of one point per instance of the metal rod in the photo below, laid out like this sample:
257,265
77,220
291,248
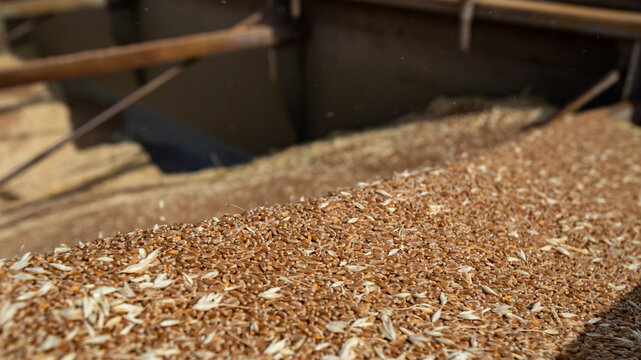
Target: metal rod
545,14
120,106
633,68
143,54
27,8
588,95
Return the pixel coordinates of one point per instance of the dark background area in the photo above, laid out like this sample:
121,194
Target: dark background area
364,66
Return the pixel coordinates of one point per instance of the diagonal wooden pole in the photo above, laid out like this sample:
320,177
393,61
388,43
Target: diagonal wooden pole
588,95
102,117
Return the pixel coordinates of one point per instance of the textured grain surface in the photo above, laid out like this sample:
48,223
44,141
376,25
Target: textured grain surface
527,250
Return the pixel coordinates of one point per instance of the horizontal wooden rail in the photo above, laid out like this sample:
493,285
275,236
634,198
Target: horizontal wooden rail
143,54
561,16
27,8
551,15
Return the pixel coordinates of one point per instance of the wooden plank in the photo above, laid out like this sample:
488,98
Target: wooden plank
558,16
27,8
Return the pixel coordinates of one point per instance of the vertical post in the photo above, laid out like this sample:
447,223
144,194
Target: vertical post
125,28
287,64
633,68
465,31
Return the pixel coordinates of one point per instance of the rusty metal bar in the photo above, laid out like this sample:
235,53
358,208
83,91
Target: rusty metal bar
588,95
143,54
550,15
28,8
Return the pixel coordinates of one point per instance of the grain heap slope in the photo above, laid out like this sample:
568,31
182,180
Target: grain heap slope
135,196
511,254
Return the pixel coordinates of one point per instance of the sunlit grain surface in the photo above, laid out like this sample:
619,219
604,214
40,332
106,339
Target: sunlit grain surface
526,250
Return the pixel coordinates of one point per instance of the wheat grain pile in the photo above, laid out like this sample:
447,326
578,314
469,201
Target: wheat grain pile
529,250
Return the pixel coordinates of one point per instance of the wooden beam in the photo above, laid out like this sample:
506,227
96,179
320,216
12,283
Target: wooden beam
143,54
28,8
544,14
